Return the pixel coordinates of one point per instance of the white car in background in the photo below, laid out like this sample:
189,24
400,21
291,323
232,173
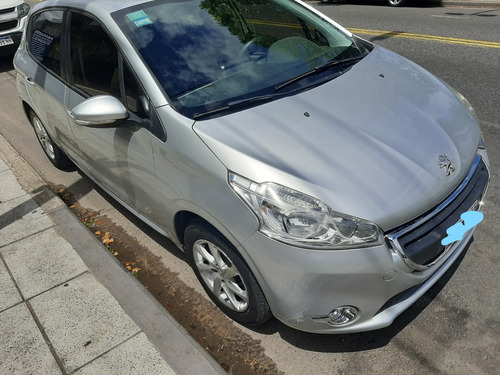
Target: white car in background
13,15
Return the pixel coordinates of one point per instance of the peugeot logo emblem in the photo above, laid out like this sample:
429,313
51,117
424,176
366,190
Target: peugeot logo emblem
445,163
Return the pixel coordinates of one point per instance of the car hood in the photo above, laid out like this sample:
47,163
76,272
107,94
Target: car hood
366,143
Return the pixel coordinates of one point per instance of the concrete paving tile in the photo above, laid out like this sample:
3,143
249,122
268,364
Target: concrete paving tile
3,166
9,295
19,218
135,356
42,261
22,347
10,187
82,320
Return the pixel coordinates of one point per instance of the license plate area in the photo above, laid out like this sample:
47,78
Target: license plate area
6,41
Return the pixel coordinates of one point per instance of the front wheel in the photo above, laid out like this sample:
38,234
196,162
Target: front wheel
396,3
53,152
224,275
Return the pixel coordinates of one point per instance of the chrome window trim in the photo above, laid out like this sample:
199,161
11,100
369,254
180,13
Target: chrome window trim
393,237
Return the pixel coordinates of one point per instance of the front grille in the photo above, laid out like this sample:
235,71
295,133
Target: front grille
421,243
8,25
7,10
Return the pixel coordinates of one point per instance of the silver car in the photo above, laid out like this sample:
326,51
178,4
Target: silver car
307,173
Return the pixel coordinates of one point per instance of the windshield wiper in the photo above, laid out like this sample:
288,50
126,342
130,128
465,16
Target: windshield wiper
235,104
249,101
328,65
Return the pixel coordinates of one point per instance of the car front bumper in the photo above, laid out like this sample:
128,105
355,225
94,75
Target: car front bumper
304,286
11,26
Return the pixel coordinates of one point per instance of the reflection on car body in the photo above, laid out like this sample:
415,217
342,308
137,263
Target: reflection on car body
307,173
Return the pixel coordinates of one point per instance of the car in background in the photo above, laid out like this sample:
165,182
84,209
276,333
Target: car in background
307,173
13,14
392,3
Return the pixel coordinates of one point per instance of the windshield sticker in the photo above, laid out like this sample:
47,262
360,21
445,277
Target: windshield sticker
140,18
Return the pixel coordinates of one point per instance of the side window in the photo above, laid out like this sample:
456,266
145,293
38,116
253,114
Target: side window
93,58
97,68
45,39
133,96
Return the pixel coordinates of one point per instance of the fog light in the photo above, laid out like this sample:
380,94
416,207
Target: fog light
339,316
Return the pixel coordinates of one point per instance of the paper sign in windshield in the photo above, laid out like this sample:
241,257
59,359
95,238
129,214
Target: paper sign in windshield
140,18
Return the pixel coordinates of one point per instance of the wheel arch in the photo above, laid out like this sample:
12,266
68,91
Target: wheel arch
185,218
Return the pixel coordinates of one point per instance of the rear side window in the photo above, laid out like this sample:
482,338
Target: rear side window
94,57
45,39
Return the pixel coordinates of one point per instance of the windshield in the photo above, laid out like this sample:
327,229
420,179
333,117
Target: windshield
207,54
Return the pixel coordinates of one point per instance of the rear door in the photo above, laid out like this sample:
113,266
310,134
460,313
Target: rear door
41,64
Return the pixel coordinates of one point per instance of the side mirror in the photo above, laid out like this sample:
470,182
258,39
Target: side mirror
99,111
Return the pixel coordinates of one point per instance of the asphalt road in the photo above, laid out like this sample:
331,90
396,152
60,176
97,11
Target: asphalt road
454,328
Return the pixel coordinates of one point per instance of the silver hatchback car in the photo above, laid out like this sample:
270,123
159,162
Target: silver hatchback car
307,173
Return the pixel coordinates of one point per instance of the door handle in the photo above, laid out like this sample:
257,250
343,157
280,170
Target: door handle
30,80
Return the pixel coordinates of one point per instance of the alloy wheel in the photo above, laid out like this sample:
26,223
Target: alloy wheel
220,275
44,138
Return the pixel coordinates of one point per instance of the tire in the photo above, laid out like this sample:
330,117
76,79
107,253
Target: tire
224,275
396,3
53,152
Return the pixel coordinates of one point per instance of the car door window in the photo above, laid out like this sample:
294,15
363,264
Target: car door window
98,68
45,39
93,58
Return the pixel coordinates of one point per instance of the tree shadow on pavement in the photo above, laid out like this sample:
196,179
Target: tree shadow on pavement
38,197
355,342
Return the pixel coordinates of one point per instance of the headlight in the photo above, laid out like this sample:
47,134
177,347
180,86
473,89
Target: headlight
465,102
23,10
467,105
300,220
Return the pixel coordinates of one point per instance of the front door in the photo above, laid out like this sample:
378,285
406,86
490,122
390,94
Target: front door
119,158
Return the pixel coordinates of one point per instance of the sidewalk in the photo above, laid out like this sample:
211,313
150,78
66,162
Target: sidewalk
66,305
